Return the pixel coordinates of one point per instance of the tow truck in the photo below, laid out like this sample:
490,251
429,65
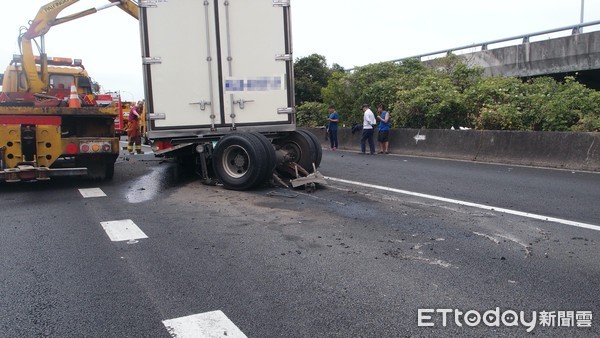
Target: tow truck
41,135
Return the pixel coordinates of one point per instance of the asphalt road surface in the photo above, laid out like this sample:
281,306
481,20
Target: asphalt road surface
391,246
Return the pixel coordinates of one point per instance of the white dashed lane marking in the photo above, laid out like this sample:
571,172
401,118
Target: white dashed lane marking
124,230
92,192
469,204
205,325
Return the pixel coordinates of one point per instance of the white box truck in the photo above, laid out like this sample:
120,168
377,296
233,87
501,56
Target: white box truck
219,89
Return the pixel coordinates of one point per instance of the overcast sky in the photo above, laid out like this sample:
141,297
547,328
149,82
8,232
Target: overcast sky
348,32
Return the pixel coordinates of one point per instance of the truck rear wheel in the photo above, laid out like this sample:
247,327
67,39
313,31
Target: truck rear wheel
270,158
301,148
318,148
240,161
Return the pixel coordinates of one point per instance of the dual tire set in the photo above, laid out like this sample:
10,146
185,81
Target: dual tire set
242,161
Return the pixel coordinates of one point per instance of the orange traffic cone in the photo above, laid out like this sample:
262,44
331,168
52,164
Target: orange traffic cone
74,101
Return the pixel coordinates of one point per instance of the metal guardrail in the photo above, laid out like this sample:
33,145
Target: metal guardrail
576,29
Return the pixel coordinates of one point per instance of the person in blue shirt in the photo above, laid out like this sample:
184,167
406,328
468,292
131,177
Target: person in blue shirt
333,119
384,130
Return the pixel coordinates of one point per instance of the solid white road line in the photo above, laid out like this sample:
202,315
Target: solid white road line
469,204
124,230
205,325
92,192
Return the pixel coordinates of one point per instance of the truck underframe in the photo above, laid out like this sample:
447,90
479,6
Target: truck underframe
245,160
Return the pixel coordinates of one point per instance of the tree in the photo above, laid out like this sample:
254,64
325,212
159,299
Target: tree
312,114
372,84
451,94
311,75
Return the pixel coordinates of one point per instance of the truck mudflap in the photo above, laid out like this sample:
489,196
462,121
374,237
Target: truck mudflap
31,173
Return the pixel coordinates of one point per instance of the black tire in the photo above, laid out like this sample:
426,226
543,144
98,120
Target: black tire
270,156
240,161
301,149
318,148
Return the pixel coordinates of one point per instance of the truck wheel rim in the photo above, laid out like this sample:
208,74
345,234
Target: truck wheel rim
235,161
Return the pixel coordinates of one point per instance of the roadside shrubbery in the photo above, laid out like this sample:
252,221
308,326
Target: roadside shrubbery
311,114
454,95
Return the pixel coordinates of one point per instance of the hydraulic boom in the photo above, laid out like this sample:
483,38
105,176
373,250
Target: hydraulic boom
44,20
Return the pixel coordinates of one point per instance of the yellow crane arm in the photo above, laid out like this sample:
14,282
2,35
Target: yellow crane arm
45,17
39,26
129,6
44,20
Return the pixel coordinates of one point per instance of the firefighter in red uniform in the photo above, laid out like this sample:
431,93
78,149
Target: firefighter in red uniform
133,129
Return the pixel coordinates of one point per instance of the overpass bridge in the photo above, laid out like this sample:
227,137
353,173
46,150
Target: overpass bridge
577,53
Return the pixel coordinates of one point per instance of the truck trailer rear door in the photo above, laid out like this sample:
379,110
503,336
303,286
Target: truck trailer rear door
217,65
253,38
180,62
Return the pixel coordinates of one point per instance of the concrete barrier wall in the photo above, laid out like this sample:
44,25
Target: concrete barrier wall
578,151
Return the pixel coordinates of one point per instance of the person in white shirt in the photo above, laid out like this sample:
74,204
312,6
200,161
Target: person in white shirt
367,134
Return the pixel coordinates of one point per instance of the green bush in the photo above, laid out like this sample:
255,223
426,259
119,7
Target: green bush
587,123
500,117
312,114
451,95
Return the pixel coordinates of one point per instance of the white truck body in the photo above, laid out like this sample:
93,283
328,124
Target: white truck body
218,66
219,87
